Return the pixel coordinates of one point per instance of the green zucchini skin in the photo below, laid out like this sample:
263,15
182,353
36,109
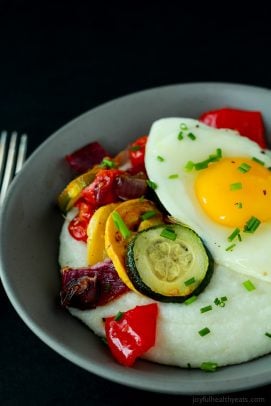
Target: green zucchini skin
146,290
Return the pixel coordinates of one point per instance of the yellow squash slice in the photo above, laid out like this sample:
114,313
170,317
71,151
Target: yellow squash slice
96,230
132,214
72,191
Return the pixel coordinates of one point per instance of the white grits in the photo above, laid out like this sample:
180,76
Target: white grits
237,331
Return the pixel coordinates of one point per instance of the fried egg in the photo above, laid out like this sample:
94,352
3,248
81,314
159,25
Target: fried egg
219,184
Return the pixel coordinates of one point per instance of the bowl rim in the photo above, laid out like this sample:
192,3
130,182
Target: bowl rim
218,385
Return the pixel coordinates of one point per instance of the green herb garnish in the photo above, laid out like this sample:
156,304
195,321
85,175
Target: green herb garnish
234,234
209,366
203,332
190,281
121,226
151,184
249,285
169,234
206,309
244,167
148,214
251,225
258,161
236,186
118,316
160,158
191,136
190,300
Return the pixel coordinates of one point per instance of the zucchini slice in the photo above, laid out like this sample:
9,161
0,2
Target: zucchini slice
168,263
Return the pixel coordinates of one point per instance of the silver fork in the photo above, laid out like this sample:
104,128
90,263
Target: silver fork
12,156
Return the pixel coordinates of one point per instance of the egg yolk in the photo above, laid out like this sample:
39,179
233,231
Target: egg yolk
230,195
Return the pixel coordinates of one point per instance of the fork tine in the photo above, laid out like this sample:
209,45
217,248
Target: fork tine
10,161
3,143
21,153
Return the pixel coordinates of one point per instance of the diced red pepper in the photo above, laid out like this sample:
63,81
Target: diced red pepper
137,154
132,333
86,157
248,123
78,225
102,190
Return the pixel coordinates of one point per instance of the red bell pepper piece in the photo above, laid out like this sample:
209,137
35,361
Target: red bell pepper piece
248,123
78,225
132,333
137,154
102,190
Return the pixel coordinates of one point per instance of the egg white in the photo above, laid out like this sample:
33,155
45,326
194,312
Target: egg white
252,255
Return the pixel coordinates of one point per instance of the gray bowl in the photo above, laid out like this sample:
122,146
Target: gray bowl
31,222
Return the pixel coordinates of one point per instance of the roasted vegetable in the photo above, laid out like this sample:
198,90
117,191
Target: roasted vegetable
86,157
96,230
131,214
168,263
86,288
132,333
72,192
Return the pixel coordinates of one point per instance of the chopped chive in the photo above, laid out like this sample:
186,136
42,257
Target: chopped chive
190,281
239,237
203,332
180,136
217,301
169,234
107,163
191,136
118,316
160,158
209,366
249,285
251,225
236,186
230,247
173,176
220,302
239,205
258,161
189,166
219,152
190,300
201,165
244,167
121,226
183,126
206,309
151,184
135,148
148,214
234,234
268,334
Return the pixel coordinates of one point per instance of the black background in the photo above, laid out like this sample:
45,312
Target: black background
59,59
